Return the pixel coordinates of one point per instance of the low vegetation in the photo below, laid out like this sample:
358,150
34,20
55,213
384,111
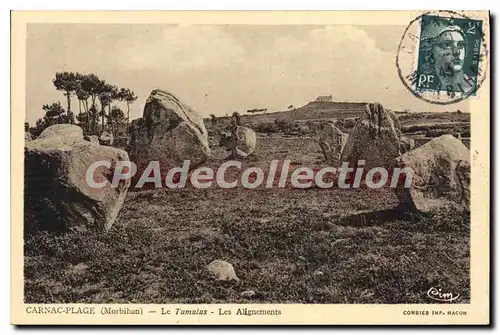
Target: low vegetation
288,245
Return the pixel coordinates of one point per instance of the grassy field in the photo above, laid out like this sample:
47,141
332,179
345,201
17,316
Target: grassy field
288,245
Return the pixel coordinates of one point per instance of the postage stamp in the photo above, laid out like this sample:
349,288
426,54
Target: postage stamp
232,168
447,57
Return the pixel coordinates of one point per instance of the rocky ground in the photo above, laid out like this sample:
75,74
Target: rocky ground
286,245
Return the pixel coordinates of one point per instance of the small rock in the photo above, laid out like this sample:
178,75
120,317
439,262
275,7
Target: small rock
318,273
222,270
106,138
248,294
92,139
406,144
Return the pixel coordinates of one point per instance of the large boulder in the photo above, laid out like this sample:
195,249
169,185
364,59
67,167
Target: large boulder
169,132
64,130
57,194
241,142
374,139
332,142
441,175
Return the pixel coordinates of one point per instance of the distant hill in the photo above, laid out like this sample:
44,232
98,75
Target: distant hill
298,120
314,110
324,110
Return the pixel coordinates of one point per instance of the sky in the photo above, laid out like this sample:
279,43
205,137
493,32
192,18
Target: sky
218,69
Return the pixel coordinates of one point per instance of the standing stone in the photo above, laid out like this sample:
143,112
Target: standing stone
406,144
332,142
169,132
57,195
135,132
241,142
441,175
374,139
222,270
396,122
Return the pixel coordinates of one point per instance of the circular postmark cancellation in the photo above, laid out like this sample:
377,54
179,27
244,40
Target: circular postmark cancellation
442,57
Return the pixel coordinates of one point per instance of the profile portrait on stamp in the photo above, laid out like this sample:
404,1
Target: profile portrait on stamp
448,54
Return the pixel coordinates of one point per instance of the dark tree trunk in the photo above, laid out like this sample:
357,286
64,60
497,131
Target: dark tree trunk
110,119
87,121
94,116
103,111
80,108
68,112
128,113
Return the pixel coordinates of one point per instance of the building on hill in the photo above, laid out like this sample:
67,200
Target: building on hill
324,98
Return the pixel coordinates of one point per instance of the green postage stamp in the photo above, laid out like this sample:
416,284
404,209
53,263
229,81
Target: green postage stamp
449,54
442,57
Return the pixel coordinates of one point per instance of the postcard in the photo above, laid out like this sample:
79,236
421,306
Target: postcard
250,168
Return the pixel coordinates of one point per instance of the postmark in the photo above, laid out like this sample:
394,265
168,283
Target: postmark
442,57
